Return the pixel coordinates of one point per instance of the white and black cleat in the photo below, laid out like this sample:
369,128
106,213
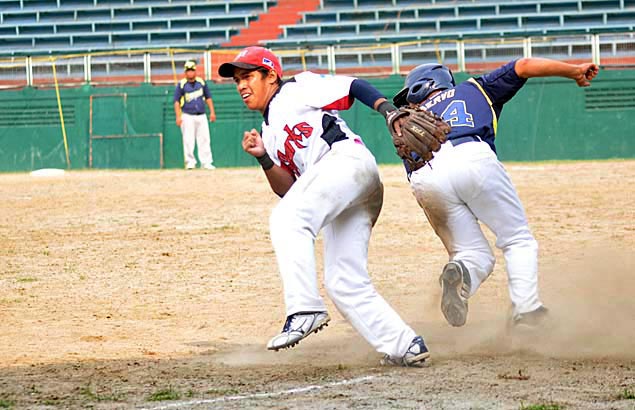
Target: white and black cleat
297,327
415,356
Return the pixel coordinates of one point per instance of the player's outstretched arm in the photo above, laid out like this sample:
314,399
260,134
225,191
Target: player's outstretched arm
544,67
279,179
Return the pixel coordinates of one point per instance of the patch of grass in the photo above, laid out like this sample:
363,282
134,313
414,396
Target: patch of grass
89,394
627,394
10,301
51,402
225,228
550,406
223,392
165,394
26,280
6,403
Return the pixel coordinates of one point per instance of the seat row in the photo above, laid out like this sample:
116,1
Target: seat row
589,19
33,13
369,4
96,25
464,9
383,37
203,38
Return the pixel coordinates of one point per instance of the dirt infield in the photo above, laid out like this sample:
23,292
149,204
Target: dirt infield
159,290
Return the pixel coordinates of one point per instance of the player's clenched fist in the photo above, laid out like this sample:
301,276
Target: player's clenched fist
252,143
586,73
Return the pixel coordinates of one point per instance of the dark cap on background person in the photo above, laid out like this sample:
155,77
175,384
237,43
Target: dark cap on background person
252,58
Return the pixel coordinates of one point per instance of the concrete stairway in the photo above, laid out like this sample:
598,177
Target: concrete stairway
267,26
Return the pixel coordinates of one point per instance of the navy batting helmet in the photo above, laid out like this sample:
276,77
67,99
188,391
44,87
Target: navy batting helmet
422,81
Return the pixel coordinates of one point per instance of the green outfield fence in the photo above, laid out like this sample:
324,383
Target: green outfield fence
114,109
134,126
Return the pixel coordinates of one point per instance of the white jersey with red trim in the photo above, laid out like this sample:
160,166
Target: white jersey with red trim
302,120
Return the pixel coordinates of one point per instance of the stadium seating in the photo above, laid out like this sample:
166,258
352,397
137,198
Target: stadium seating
45,26
354,21
39,26
32,27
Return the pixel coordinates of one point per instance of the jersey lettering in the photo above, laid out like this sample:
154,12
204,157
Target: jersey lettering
456,115
193,95
438,98
295,137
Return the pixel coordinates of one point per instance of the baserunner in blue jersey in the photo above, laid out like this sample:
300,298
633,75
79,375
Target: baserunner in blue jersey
465,183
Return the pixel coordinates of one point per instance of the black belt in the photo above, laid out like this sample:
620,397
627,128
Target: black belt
196,113
462,140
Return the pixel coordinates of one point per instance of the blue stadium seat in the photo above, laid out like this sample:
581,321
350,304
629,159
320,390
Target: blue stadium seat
92,42
77,3
111,27
190,23
15,43
71,28
8,30
55,15
168,37
149,25
36,29
93,14
621,17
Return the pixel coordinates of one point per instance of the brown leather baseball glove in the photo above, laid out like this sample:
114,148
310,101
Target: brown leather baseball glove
422,133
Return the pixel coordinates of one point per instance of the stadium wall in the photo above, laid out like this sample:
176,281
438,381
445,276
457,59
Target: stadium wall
134,126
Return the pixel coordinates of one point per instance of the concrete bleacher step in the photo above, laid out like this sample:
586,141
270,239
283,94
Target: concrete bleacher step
268,24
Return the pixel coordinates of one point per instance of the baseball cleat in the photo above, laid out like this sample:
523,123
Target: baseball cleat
415,356
531,319
297,327
456,284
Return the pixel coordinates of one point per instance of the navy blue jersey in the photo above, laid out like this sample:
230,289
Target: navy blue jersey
473,107
192,96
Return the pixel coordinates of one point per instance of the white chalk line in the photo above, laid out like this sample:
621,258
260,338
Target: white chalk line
261,395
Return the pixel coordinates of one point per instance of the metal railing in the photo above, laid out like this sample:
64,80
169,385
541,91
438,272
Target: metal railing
164,66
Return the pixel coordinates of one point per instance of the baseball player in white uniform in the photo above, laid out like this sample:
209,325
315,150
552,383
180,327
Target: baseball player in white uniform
328,181
465,183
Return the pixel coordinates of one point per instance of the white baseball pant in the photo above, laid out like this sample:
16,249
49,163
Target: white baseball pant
465,184
343,194
195,130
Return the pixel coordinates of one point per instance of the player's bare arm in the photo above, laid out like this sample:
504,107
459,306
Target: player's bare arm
177,112
583,74
212,112
279,179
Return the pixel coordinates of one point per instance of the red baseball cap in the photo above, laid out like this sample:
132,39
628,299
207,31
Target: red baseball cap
252,57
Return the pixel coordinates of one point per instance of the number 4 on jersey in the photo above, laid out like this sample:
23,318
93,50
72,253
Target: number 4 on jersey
456,115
